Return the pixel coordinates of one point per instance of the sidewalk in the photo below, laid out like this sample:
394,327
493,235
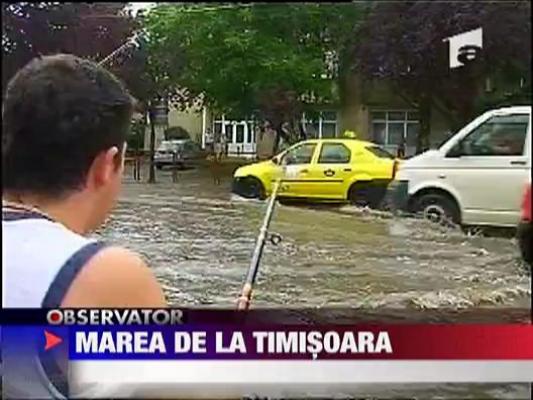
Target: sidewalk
223,169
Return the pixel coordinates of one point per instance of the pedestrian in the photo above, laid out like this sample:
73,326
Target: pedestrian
400,151
265,142
209,141
215,167
220,146
224,145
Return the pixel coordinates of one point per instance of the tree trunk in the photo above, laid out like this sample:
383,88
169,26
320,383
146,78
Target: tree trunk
424,109
279,135
138,162
303,133
151,176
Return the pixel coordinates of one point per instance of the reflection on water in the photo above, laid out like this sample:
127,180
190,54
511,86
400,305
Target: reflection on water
199,238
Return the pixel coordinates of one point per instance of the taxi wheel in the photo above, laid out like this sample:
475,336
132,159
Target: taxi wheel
252,188
359,194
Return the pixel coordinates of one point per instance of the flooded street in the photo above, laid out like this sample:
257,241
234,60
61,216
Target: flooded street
199,239
382,131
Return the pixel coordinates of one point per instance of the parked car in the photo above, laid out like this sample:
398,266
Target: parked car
525,228
474,178
187,153
322,169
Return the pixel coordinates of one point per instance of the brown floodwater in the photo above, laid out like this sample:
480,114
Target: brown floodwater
199,238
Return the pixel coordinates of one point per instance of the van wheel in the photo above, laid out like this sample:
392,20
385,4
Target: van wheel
437,208
252,188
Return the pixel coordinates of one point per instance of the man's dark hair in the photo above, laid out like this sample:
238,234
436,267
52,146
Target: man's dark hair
59,113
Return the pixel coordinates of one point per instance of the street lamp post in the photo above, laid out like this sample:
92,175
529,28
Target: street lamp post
158,113
151,115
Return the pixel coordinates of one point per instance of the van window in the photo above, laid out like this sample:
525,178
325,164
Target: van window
502,135
334,153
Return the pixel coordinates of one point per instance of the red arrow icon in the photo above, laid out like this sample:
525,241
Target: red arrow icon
51,340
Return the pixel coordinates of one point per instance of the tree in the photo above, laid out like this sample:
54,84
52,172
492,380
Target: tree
145,76
403,42
134,66
89,30
252,59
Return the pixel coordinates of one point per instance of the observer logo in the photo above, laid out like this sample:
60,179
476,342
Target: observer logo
115,316
465,47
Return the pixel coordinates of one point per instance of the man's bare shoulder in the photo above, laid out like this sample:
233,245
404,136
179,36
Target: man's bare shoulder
115,277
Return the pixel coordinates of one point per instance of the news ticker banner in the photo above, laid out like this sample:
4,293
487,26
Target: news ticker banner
115,364
119,349
163,334
281,342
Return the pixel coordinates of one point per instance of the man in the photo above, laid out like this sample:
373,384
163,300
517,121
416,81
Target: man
219,145
209,141
65,122
265,142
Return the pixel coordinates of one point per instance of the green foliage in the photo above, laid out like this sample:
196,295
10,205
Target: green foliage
135,139
251,59
403,43
506,89
135,142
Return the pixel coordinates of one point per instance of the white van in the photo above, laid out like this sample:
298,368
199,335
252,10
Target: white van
477,177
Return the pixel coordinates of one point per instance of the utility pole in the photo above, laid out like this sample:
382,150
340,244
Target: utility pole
151,114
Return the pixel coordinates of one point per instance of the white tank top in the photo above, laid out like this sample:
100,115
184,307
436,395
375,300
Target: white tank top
40,260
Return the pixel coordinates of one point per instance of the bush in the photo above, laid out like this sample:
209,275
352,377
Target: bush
135,139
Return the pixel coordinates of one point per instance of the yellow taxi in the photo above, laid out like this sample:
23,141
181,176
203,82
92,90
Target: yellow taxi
322,169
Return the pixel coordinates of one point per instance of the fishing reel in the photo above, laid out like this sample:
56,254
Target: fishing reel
275,238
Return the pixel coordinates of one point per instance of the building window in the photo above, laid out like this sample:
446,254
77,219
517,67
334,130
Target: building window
239,135
391,128
325,126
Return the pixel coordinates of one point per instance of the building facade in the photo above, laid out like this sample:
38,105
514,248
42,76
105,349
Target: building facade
373,110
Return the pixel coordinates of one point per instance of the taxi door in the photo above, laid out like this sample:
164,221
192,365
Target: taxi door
296,181
331,170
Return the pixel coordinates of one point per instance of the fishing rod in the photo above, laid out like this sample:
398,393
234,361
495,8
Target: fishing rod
132,41
243,302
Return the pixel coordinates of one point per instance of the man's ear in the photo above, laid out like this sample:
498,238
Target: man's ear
104,167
